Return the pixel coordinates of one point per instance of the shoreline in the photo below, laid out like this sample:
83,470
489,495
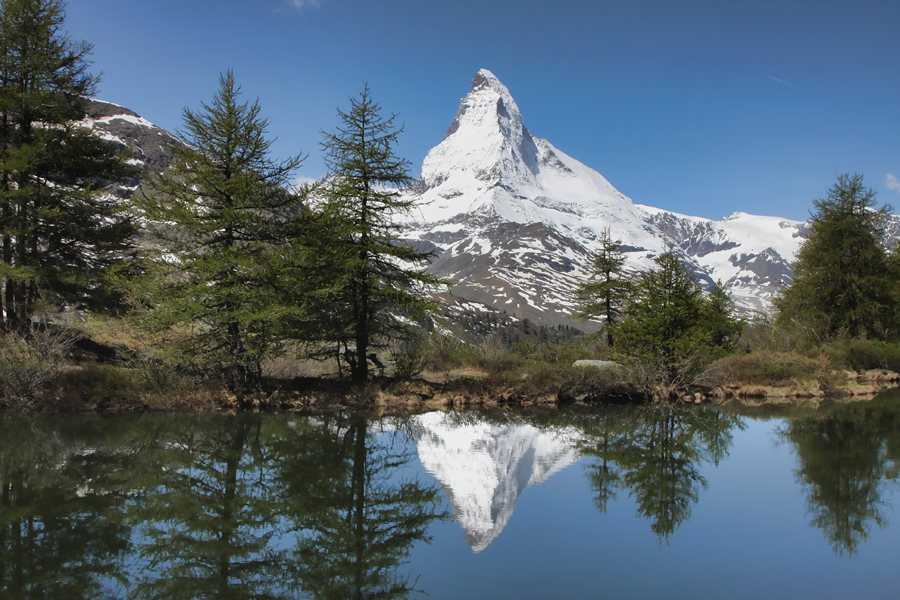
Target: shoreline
450,390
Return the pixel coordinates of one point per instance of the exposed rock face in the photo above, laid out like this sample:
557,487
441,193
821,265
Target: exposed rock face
147,144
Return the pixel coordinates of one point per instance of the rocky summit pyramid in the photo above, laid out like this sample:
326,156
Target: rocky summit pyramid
513,220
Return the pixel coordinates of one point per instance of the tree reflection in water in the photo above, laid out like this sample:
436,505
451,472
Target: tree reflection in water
62,506
206,529
655,453
234,506
847,454
356,518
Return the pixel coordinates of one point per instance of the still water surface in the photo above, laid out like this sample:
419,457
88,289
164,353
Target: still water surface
580,502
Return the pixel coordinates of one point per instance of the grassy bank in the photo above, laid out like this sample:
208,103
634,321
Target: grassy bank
100,367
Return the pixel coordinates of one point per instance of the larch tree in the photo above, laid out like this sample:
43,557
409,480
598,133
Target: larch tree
222,218
842,276
377,280
604,296
59,230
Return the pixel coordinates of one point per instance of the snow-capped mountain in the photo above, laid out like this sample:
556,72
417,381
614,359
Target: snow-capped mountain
483,467
514,219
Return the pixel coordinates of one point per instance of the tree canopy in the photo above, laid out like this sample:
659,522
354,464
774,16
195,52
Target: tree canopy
670,328
604,296
221,217
59,230
377,280
842,283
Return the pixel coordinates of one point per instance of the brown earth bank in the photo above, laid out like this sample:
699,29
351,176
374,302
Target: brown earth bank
112,389
842,385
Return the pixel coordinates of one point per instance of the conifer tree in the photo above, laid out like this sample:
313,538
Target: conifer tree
375,277
664,315
670,328
59,231
841,283
605,295
223,219
719,320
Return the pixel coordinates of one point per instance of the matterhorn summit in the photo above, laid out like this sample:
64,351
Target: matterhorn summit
489,164
513,220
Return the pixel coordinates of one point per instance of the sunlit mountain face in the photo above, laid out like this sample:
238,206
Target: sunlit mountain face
514,220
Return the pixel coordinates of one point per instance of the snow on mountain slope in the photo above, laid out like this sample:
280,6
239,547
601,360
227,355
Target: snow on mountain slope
750,254
489,165
483,468
126,129
514,220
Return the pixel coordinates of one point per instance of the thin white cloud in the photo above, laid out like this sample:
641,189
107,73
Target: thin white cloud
785,83
301,4
891,182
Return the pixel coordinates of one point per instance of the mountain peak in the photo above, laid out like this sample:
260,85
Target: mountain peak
484,79
489,163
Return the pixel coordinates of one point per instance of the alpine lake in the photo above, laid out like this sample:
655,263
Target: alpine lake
571,502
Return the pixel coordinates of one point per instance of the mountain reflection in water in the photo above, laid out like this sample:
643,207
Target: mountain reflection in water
342,505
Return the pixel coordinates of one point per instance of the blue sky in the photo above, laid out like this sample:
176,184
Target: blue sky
699,107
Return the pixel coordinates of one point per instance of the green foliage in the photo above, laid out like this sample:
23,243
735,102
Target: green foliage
604,296
222,219
373,277
723,328
670,329
763,367
444,351
59,231
865,354
843,276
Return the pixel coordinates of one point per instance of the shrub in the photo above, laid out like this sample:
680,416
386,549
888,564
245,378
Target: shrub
763,367
409,358
866,354
444,352
98,383
28,365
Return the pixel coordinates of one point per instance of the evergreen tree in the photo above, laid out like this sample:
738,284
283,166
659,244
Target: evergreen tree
59,231
718,319
663,315
223,219
374,275
604,296
842,278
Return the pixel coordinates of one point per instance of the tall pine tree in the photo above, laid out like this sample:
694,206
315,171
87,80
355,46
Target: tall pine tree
842,280
59,230
375,276
604,296
222,217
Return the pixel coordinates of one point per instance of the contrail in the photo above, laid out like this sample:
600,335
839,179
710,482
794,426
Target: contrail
785,83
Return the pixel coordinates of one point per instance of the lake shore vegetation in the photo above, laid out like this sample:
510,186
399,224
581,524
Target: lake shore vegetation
223,285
